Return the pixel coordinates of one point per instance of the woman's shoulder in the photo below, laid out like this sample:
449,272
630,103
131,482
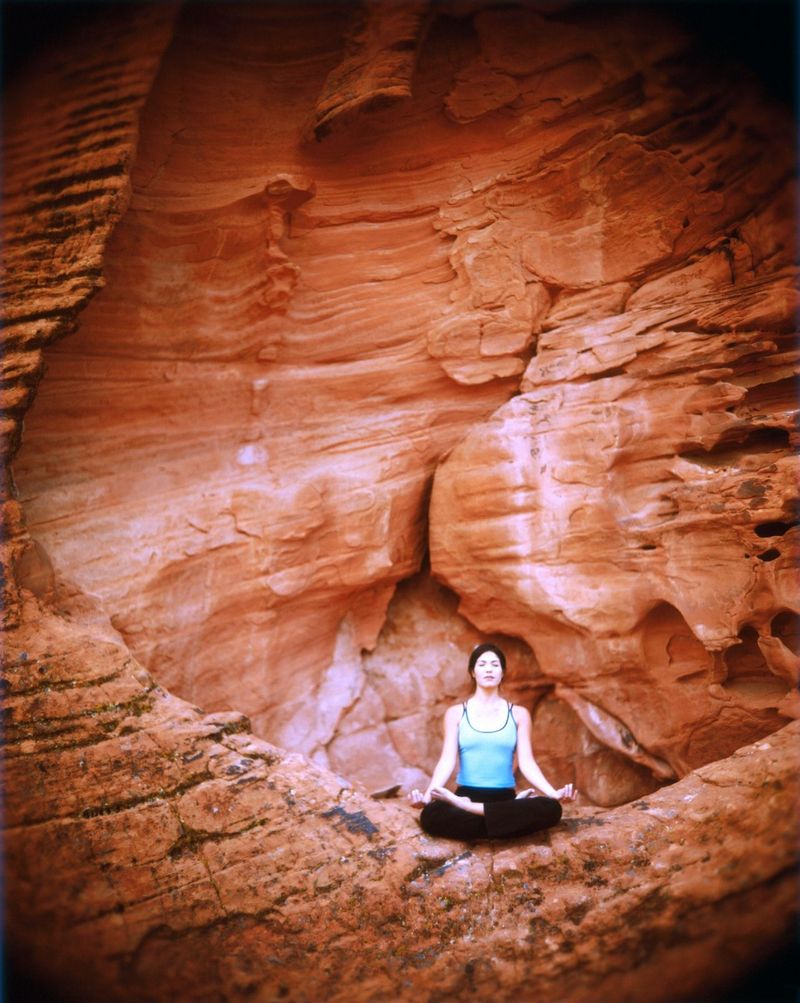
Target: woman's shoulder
452,716
520,713
454,712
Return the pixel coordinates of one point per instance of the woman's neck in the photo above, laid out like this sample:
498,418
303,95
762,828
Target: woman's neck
486,696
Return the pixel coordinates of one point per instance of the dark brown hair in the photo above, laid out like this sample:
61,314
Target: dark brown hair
481,650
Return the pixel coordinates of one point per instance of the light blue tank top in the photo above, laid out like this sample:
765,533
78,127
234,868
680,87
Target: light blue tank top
486,757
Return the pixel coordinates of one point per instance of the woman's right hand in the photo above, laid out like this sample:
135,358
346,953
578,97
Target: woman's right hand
418,799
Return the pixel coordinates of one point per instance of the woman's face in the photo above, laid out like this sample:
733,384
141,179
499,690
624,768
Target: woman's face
488,671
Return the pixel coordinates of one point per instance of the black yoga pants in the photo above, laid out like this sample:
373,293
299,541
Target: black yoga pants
505,815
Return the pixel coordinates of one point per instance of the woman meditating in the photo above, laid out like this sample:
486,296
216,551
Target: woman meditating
482,735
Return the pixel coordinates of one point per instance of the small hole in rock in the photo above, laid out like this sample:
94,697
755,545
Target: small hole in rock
737,444
766,529
786,626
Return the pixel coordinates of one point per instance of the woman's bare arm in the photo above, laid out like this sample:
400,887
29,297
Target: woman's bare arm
528,766
447,758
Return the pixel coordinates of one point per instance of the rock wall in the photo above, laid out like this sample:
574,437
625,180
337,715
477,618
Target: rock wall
632,513
66,183
260,356
263,281
530,250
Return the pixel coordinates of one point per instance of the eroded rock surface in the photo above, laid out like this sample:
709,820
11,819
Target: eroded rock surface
633,512
287,345
70,129
155,853
227,471
260,354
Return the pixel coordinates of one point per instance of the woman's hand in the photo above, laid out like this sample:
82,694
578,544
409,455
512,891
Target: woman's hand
418,799
563,794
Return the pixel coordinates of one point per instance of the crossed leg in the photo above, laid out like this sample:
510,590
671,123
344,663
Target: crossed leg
456,817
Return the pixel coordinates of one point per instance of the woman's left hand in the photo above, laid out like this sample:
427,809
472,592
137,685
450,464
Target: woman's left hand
564,794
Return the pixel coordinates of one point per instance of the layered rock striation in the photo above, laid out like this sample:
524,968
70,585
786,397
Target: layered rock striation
632,513
70,131
248,299
281,422
537,253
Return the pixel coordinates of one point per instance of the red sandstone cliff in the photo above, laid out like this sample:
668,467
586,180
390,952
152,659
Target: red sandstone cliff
534,253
